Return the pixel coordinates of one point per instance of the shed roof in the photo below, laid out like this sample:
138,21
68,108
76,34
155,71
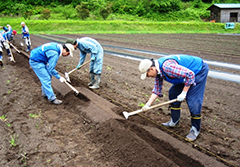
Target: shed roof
225,5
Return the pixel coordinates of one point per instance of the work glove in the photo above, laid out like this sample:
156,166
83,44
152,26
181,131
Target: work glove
182,96
10,58
146,107
62,79
78,66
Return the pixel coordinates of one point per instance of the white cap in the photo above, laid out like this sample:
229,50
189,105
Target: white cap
144,67
70,48
22,23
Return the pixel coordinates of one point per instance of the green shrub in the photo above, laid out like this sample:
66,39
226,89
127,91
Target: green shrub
57,9
38,10
68,11
105,12
83,11
46,14
27,14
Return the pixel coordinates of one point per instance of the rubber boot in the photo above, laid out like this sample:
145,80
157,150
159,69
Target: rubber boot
96,84
92,78
28,48
8,52
195,129
175,116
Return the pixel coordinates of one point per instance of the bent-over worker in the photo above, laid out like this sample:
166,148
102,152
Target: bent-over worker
43,60
6,36
90,45
188,75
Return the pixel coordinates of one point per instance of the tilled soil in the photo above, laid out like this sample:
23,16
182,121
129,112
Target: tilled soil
83,132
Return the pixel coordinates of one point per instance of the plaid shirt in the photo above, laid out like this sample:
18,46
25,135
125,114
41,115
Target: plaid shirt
173,70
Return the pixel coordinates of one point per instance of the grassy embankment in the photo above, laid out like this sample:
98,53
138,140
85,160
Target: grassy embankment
116,27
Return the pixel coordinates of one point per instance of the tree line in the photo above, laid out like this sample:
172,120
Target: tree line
103,8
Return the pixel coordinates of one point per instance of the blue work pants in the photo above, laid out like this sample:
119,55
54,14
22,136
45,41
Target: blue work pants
45,78
195,94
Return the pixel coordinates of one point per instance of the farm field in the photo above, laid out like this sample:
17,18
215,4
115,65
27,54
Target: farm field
90,130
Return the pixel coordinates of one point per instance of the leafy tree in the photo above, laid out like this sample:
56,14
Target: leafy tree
83,11
5,7
141,10
18,8
207,1
116,7
54,4
151,9
197,3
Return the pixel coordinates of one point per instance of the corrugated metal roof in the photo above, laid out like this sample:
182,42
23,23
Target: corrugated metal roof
227,5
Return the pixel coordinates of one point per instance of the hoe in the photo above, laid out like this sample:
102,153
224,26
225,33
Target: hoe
126,114
67,73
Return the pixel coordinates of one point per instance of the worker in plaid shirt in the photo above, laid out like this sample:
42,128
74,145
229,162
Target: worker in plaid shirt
188,74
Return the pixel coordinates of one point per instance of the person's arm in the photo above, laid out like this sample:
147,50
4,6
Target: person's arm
53,57
152,98
81,59
156,92
173,69
186,88
5,28
183,95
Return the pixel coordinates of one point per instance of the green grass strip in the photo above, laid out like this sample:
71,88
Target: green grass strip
117,27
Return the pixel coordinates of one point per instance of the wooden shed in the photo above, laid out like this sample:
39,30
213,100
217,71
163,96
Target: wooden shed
228,12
